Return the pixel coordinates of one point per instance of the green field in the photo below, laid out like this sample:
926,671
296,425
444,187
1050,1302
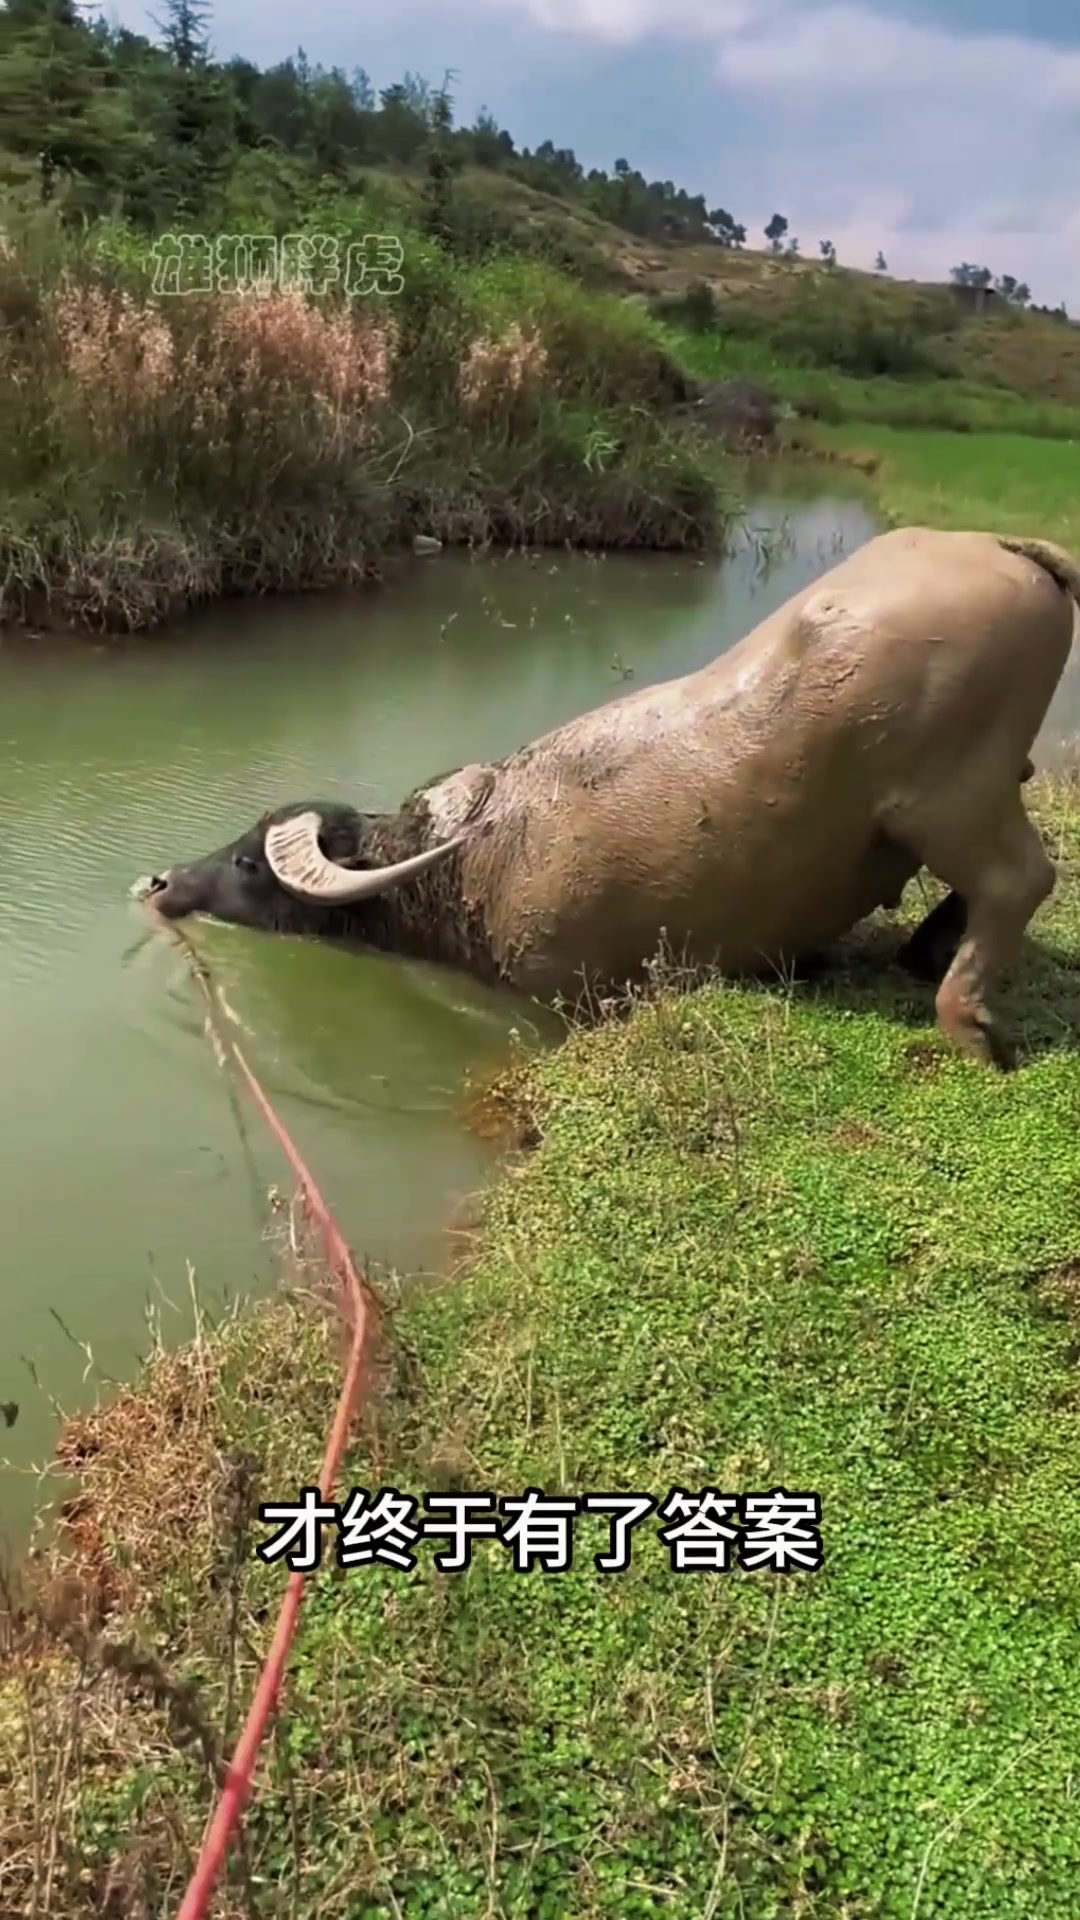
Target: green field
1002,481
941,452
829,396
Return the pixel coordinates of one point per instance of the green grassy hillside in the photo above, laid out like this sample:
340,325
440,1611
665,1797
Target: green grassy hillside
790,306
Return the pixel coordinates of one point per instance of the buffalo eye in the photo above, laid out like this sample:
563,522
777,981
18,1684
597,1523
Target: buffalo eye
245,863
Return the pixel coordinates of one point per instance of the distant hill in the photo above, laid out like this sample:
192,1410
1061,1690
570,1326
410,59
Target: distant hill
778,299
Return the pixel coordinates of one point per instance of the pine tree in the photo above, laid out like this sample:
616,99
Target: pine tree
61,109
195,114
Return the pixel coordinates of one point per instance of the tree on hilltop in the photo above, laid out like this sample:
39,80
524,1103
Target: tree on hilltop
775,231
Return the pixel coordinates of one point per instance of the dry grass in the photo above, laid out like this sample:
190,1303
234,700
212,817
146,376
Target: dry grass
85,1697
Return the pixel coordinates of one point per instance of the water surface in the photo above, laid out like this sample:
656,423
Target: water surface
121,1159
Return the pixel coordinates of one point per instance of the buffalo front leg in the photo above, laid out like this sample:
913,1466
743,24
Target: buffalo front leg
1003,874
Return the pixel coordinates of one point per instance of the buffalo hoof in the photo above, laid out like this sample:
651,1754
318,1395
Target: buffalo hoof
978,1036
997,1051
989,1047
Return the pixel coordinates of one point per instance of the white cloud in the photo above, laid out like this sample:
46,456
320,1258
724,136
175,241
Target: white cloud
879,132
769,45
621,22
961,146
848,48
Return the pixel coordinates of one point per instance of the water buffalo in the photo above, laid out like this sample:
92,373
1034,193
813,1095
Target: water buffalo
748,814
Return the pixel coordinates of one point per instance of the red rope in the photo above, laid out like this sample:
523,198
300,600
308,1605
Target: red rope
359,1305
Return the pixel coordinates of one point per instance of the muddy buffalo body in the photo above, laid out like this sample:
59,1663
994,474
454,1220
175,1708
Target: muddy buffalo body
742,817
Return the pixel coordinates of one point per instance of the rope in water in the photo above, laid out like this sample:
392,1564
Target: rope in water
360,1311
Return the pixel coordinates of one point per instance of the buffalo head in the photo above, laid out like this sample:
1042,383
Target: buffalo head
310,868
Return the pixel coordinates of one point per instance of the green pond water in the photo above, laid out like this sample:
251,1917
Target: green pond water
122,1164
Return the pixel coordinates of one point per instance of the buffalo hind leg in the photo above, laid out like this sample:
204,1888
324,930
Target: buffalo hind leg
928,953
1002,874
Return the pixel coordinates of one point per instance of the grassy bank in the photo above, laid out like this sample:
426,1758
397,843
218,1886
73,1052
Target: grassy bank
936,451
161,450
765,1239
1006,482
832,397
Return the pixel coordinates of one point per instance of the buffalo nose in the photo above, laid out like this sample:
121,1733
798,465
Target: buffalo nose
158,882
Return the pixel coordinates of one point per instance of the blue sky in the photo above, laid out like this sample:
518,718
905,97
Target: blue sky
938,130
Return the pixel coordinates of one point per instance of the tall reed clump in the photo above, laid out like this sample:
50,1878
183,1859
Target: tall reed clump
158,450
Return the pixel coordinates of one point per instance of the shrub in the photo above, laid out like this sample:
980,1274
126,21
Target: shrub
699,307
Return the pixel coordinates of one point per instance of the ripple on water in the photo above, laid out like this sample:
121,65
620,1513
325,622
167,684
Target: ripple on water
72,842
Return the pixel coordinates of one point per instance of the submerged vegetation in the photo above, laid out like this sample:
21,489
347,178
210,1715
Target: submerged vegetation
763,1239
